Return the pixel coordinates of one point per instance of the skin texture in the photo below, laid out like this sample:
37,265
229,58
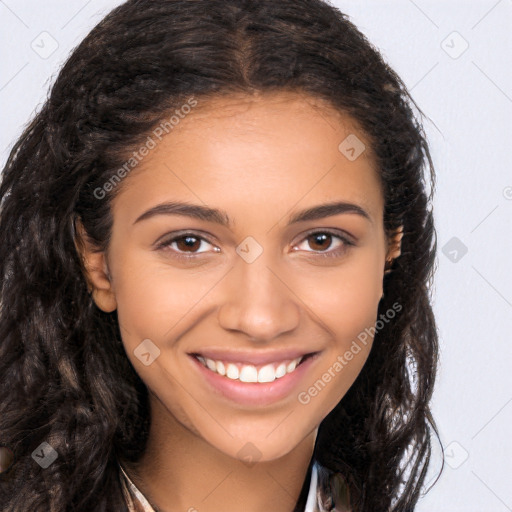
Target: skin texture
260,159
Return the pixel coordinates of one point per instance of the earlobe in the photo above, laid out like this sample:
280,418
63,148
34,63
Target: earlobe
96,272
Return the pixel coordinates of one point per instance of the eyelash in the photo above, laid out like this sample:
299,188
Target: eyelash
322,254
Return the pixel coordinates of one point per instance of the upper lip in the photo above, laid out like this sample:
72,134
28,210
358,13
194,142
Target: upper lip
252,357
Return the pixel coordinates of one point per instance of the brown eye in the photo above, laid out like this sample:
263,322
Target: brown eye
188,243
321,243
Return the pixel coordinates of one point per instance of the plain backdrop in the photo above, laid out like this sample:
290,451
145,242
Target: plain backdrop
455,58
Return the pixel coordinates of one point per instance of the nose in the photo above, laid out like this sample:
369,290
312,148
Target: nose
258,302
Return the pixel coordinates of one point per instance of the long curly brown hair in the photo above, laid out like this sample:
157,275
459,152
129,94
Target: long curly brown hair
64,375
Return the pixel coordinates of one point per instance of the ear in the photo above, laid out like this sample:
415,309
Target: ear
394,248
96,270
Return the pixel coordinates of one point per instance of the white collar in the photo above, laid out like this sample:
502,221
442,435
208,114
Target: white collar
312,501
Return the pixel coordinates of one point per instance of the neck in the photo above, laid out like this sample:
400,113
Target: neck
179,470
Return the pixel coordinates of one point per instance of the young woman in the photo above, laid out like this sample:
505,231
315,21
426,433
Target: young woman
217,245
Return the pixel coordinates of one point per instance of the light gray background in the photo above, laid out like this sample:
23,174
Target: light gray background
467,94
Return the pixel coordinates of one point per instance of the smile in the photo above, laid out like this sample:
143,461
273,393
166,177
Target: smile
251,373
260,380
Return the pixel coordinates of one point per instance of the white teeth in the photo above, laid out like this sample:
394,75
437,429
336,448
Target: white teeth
267,374
280,370
221,369
249,373
232,371
291,366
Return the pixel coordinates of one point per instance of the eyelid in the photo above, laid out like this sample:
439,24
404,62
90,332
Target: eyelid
348,241
168,238
340,233
167,241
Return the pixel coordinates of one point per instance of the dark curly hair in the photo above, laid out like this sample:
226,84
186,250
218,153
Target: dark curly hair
64,374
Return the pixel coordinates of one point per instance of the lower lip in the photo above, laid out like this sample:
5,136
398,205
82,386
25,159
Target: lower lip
255,393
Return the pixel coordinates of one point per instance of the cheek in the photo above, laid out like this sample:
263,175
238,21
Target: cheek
346,298
346,301
152,297
338,369
347,308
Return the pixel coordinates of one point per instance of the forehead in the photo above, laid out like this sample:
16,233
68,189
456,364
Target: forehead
263,111
272,149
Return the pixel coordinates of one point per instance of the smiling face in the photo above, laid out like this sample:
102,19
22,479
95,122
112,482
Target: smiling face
250,270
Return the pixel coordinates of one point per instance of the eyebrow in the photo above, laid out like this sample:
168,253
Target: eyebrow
217,216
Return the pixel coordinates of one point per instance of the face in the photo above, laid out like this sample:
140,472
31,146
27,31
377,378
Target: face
242,271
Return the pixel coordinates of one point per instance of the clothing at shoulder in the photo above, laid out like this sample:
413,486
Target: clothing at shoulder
318,496
328,491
